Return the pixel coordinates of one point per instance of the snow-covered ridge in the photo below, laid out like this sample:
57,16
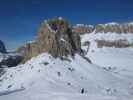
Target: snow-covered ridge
83,25
103,24
112,27
2,47
131,23
112,23
47,74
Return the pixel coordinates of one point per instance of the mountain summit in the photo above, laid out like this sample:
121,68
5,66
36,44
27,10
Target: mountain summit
55,36
2,47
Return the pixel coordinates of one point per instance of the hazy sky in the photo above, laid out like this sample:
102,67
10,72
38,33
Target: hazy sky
20,19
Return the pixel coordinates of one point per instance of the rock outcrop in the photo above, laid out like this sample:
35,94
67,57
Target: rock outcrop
117,43
29,50
55,36
2,47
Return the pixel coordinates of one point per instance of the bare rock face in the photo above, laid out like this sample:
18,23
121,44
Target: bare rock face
127,28
2,47
117,43
111,27
29,50
99,28
55,36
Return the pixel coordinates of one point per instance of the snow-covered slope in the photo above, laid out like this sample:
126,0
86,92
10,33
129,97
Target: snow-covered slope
109,56
117,61
109,77
45,77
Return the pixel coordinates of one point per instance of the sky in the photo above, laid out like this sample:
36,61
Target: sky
20,19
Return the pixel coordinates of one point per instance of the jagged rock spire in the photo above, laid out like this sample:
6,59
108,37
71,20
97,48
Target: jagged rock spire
55,36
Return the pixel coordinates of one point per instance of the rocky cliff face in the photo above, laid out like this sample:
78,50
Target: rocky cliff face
2,47
56,37
117,43
29,50
105,28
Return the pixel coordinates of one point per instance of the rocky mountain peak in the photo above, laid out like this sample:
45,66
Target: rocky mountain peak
2,47
56,37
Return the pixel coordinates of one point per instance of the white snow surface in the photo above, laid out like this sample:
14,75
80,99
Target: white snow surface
45,77
109,56
109,77
83,25
112,23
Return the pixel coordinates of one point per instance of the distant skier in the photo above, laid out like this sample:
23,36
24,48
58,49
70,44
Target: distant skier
82,90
